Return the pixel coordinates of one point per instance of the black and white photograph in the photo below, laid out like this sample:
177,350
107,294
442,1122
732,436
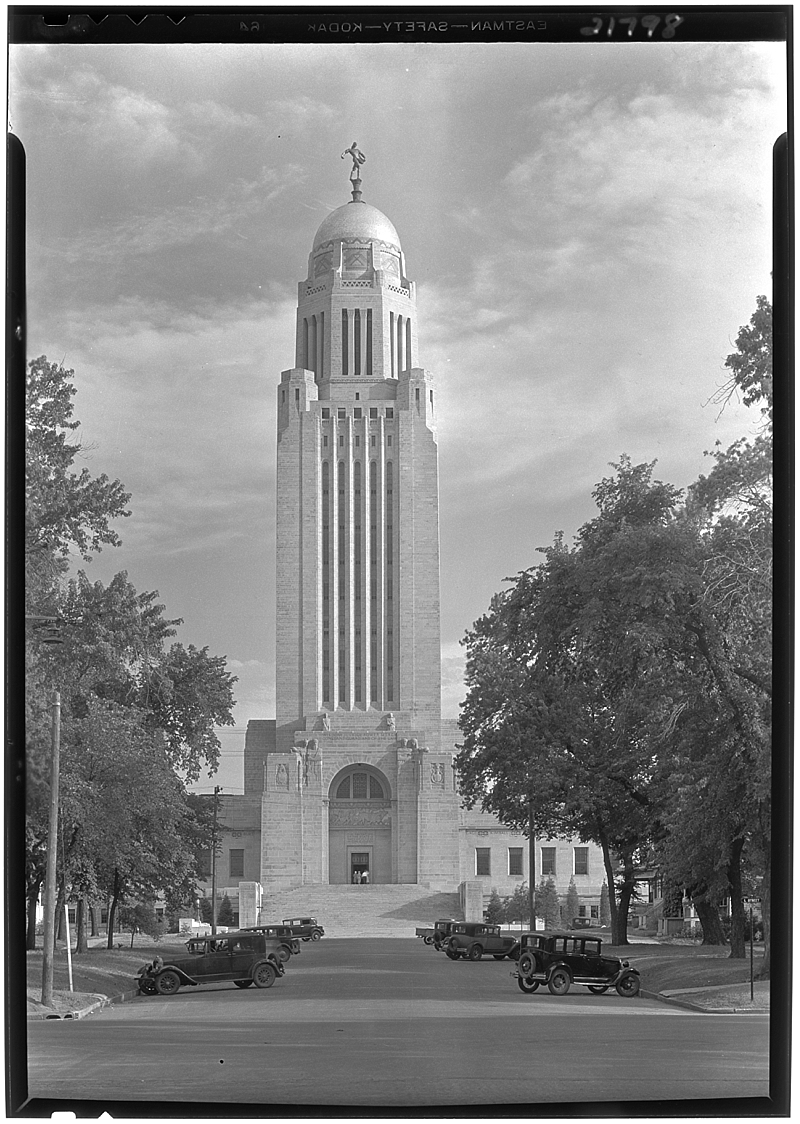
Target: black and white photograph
391,412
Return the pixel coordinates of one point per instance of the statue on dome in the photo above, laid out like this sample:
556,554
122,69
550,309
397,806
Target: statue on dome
358,158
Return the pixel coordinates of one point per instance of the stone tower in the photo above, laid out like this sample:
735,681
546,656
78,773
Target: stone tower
357,777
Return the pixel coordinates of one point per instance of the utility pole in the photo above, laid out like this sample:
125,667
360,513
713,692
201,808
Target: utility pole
531,863
52,845
217,790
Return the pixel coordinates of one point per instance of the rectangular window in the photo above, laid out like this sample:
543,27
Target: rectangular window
581,860
373,411
595,910
390,412
326,413
548,860
483,863
389,439
236,862
357,411
341,413
515,860
325,441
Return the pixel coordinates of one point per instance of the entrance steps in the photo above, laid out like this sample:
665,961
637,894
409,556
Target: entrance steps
362,911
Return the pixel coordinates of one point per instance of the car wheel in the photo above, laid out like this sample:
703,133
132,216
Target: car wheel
315,936
527,964
596,989
628,986
264,975
452,955
148,987
475,952
559,982
528,986
283,953
243,983
168,983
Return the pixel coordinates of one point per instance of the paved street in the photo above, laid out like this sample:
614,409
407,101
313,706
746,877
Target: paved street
393,1023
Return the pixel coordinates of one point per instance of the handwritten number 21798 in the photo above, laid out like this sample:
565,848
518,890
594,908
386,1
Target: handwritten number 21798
671,22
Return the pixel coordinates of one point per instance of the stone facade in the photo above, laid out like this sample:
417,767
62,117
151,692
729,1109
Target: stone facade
356,772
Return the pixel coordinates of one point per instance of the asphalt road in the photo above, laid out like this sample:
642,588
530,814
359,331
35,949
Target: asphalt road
394,1023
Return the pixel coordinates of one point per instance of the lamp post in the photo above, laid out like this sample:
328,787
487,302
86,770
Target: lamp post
217,790
52,844
47,629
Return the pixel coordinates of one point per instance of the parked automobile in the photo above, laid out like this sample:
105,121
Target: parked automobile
471,939
585,923
288,945
306,928
563,959
243,957
437,932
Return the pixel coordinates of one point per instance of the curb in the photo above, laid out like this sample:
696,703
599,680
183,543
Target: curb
689,1006
81,1013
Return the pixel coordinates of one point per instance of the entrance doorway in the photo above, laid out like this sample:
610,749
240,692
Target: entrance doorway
361,866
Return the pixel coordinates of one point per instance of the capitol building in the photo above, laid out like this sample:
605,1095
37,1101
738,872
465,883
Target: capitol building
355,774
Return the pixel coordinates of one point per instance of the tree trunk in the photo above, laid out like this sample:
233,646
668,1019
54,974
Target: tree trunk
81,942
625,895
738,951
58,928
93,920
112,910
617,936
30,933
707,911
766,892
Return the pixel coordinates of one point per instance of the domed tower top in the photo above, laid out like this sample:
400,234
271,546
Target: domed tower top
356,317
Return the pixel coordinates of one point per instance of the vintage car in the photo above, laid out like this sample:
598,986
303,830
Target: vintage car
245,958
306,928
288,945
470,939
562,959
436,933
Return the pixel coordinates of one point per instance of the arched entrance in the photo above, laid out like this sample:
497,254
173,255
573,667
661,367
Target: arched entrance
359,826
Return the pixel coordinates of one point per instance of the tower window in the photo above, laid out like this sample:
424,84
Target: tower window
325,441
390,412
389,439
358,441
341,440
297,394
283,396
325,413
373,441
341,414
357,411
373,411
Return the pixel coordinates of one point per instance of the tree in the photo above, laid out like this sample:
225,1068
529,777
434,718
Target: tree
495,910
225,912
572,903
605,912
64,510
570,684
518,905
547,904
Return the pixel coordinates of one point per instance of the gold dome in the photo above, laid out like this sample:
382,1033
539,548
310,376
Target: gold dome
356,221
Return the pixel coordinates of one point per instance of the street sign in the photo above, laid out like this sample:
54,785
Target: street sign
751,901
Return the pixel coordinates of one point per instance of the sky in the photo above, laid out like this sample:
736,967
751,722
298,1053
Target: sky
588,227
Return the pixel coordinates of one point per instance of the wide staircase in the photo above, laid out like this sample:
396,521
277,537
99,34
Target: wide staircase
362,911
